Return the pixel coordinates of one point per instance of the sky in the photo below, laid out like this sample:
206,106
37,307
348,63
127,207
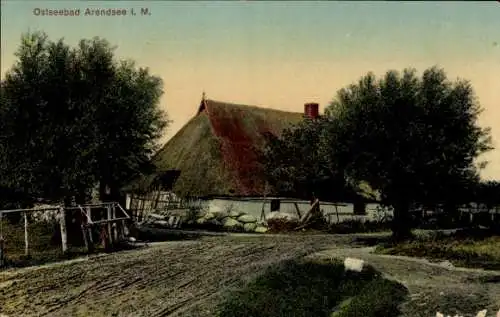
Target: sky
280,54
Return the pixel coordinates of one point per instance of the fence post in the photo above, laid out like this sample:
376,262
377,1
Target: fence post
62,224
104,236
26,240
83,225
1,252
114,225
1,241
89,227
110,232
121,226
84,234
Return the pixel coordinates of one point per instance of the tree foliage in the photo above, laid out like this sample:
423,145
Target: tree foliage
298,164
488,192
74,116
413,139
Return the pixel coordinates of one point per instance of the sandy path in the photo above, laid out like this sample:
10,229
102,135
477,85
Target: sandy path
186,278
161,280
432,286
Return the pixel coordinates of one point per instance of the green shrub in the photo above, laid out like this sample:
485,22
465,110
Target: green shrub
379,298
358,226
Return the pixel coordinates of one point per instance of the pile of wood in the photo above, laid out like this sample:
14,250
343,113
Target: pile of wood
313,218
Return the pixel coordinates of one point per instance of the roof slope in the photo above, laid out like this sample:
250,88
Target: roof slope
217,150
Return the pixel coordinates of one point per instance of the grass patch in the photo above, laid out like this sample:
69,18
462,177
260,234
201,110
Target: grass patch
358,226
44,245
475,250
300,288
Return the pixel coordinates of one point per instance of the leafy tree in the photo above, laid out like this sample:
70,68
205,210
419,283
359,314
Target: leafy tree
413,139
127,121
488,193
37,115
297,163
72,117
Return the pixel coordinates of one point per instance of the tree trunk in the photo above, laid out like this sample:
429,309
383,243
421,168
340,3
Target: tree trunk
103,195
117,196
450,214
401,226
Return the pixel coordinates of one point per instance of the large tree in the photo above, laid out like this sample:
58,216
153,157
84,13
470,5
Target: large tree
299,164
415,139
74,116
488,193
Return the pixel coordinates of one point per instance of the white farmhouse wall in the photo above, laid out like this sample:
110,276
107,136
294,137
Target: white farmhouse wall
254,208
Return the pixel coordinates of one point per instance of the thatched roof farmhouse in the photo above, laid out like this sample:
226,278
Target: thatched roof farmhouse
216,152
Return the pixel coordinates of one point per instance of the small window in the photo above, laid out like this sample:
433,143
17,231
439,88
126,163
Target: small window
359,208
275,205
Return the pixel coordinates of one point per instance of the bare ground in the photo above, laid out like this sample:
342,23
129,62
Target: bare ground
188,278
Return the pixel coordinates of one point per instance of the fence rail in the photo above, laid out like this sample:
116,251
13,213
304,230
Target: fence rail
140,206
109,218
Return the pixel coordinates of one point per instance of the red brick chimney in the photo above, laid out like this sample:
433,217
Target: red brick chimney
311,110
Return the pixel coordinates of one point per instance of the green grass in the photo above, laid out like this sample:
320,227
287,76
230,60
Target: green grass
44,245
299,288
462,250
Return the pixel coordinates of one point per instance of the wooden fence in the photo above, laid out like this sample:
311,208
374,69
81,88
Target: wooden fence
109,218
140,206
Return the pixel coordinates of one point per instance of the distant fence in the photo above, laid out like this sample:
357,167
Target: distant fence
471,214
140,206
47,232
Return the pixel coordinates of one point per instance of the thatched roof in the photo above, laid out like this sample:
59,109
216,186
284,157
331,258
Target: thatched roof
216,151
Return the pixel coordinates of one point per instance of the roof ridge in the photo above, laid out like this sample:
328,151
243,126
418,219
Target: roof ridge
234,104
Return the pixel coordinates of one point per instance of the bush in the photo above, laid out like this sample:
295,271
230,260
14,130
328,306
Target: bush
282,225
358,226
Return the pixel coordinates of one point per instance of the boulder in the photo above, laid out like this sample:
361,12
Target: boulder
219,214
200,213
260,229
177,211
180,213
214,222
153,217
161,223
201,221
249,227
209,216
281,222
282,216
353,264
247,219
235,213
230,223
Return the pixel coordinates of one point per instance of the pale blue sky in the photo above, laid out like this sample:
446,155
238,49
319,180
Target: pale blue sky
282,54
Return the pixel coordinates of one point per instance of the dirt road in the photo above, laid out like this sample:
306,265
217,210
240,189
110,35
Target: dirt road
187,278
433,287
